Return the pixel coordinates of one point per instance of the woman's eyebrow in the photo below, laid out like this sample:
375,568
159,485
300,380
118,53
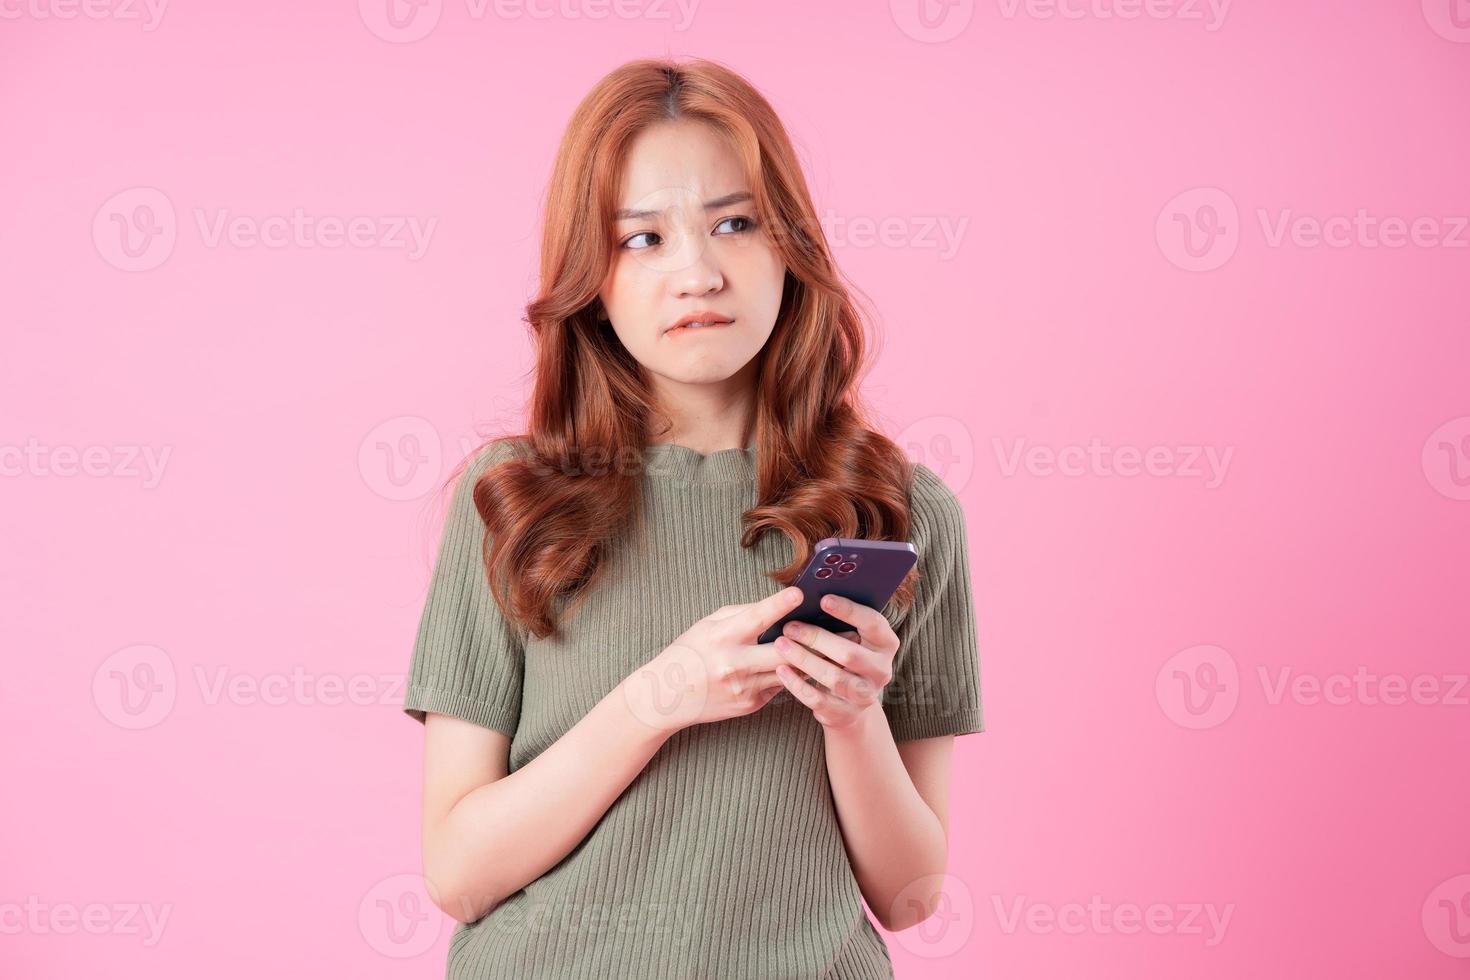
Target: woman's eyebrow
625,214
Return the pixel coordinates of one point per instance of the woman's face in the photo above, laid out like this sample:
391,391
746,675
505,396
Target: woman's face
693,247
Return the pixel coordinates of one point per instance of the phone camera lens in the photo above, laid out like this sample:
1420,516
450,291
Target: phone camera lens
832,559
846,566
822,573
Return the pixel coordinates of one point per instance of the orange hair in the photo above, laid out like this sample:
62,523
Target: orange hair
823,471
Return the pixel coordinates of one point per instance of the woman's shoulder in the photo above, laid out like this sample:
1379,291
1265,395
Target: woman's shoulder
930,498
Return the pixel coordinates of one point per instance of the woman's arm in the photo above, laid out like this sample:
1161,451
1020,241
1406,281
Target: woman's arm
487,834
893,806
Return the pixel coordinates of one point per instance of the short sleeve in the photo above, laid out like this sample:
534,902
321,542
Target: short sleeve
935,688
467,657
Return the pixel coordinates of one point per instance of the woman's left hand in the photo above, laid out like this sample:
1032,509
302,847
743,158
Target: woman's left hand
852,667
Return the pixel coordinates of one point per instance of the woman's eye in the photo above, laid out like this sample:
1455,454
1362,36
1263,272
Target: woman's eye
641,234
748,223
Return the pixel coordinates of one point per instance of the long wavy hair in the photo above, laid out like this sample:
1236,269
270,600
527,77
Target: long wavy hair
551,518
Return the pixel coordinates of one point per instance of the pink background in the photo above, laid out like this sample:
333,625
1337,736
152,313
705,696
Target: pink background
310,398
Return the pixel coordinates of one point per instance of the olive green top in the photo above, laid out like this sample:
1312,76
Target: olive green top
723,858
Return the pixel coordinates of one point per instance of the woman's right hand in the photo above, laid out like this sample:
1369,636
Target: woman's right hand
714,670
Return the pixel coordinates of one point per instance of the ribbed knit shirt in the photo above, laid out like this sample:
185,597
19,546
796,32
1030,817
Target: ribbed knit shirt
723,859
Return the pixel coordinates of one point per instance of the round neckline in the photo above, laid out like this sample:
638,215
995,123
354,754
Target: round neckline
671,461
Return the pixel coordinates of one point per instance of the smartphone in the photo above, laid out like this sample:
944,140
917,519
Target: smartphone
867,572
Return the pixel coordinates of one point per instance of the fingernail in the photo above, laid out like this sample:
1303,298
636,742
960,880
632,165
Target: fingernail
792,594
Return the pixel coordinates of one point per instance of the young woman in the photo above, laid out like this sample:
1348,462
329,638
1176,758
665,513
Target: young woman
619,780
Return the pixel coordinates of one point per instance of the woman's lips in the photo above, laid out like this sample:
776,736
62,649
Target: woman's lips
680,331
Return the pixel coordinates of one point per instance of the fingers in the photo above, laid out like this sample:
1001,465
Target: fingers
766,681
841,648
813,696
832,677
751,621
872,626
761,658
